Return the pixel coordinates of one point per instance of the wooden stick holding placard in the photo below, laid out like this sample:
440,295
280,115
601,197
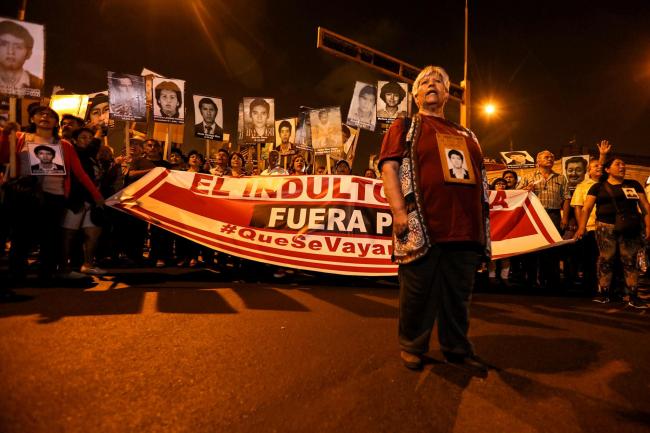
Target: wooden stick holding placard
127,142
168,140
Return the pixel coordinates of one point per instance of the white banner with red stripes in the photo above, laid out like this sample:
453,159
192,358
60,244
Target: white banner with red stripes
519,224
335,224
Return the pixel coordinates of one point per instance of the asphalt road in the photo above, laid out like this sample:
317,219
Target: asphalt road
180,351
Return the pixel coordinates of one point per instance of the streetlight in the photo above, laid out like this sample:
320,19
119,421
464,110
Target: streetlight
489,109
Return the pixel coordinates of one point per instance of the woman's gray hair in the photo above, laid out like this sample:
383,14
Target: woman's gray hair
430,70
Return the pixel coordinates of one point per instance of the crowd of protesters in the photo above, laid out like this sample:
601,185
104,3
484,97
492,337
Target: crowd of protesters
591,215
60,223
57,225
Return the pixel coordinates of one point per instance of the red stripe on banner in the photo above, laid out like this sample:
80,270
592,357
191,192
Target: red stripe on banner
510,224
145,189
538,221
237,212
156,218
282,259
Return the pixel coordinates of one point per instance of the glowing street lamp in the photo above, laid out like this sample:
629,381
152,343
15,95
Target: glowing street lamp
489,109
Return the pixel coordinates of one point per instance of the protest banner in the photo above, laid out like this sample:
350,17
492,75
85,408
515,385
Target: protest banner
127,98
168,102
336,224
22,62
519,224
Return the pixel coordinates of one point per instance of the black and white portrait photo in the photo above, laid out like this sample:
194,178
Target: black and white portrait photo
208,115
392,101
259,116
454,157
168,102
363,107
46,159
285,136
326,134
22,58
517,159
127,97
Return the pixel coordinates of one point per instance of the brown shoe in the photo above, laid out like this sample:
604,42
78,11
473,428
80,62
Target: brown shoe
411,360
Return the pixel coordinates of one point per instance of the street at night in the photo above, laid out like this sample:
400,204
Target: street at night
184,351
294,217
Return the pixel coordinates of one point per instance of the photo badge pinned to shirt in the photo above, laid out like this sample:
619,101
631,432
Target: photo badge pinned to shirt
630,193
455,159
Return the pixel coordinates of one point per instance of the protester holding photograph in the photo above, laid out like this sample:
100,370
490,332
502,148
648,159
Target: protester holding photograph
37,203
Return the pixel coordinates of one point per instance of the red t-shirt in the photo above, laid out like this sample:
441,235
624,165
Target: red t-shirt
453,211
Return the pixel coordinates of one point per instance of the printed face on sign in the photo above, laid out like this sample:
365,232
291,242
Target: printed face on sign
630,193
22,57
209,117
575,169
455,156
46,159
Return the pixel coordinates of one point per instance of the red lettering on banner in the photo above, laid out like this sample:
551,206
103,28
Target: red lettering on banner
265,238
262,187
336,190
325,181
282,242
247,190
247,234
298,241
201,184
361,186
315,245
286,194
378,250
499,200
348,247
332,246
378,192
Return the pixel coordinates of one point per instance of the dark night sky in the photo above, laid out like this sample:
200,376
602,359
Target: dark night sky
556,69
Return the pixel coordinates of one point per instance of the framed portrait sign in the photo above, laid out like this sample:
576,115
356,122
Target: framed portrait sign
455,161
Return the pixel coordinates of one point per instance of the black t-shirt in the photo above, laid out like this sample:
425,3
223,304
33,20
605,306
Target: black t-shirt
626,200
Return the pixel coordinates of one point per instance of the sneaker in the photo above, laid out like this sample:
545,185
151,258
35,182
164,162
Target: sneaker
92,270
601,299
411,360
635,302
279,273
160,263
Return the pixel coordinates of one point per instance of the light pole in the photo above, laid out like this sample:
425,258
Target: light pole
465,103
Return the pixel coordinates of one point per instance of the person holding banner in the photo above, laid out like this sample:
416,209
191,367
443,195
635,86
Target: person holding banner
618,228
439,224
552,189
